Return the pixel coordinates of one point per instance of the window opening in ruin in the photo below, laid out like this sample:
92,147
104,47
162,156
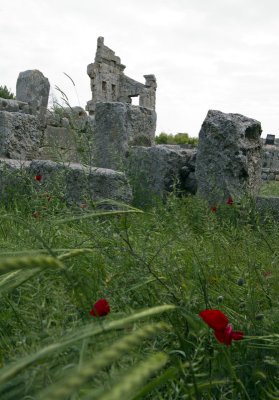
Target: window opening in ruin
104,86
134,100
113,90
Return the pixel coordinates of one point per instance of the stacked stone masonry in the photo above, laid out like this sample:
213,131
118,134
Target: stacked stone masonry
270,161
109,83
123,137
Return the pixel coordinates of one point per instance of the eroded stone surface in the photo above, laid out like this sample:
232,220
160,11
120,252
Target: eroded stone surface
74,182
20,135
117,127
157,170
14,106
229,156
80,183
33,88
110,84
59,144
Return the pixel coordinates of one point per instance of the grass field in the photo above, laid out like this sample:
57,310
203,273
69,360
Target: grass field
158,269
270,188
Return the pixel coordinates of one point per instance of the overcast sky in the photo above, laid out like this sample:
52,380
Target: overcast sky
206,54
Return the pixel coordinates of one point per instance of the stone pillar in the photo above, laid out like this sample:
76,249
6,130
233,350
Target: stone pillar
228,157
33,88
148,94
118,126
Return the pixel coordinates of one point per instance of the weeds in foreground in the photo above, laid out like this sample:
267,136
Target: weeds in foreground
157,271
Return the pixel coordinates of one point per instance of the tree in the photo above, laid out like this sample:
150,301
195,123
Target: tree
5,93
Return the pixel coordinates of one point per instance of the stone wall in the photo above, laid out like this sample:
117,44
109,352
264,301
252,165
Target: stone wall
270,162
118,135
76,183
158,170
110,84
20,135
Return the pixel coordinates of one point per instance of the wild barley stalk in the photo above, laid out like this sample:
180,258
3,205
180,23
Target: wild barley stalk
74,253
167,375
14,279
132,381
15,263
76,379
8,372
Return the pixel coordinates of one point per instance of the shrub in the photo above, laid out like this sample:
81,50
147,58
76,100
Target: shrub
178,138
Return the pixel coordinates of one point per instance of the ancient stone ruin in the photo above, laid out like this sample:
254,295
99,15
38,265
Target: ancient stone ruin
228,157
33,88
110,84
117,123
104,152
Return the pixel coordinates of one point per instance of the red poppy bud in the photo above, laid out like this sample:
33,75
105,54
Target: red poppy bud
38,178
100,308
230,201
213,209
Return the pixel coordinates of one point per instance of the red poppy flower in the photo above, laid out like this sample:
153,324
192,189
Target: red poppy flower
227,335
100,308
223,331
230,201
213,209
215,319
38,178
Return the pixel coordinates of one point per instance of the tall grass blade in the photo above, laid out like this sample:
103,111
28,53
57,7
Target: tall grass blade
170,373
77,378
41,261
89,330
74,253
97,215
130,382
14,279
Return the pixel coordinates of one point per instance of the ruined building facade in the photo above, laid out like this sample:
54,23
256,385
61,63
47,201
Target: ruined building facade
110,84
118,124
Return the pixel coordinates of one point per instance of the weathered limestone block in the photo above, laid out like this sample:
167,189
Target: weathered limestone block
72,181
157,170
118,126
14,106
229,156
79,183
53,118
33,88
77,117
20,135
270,157
59,144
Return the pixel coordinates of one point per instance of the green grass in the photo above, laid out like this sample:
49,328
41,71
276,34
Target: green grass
158,269
270,188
